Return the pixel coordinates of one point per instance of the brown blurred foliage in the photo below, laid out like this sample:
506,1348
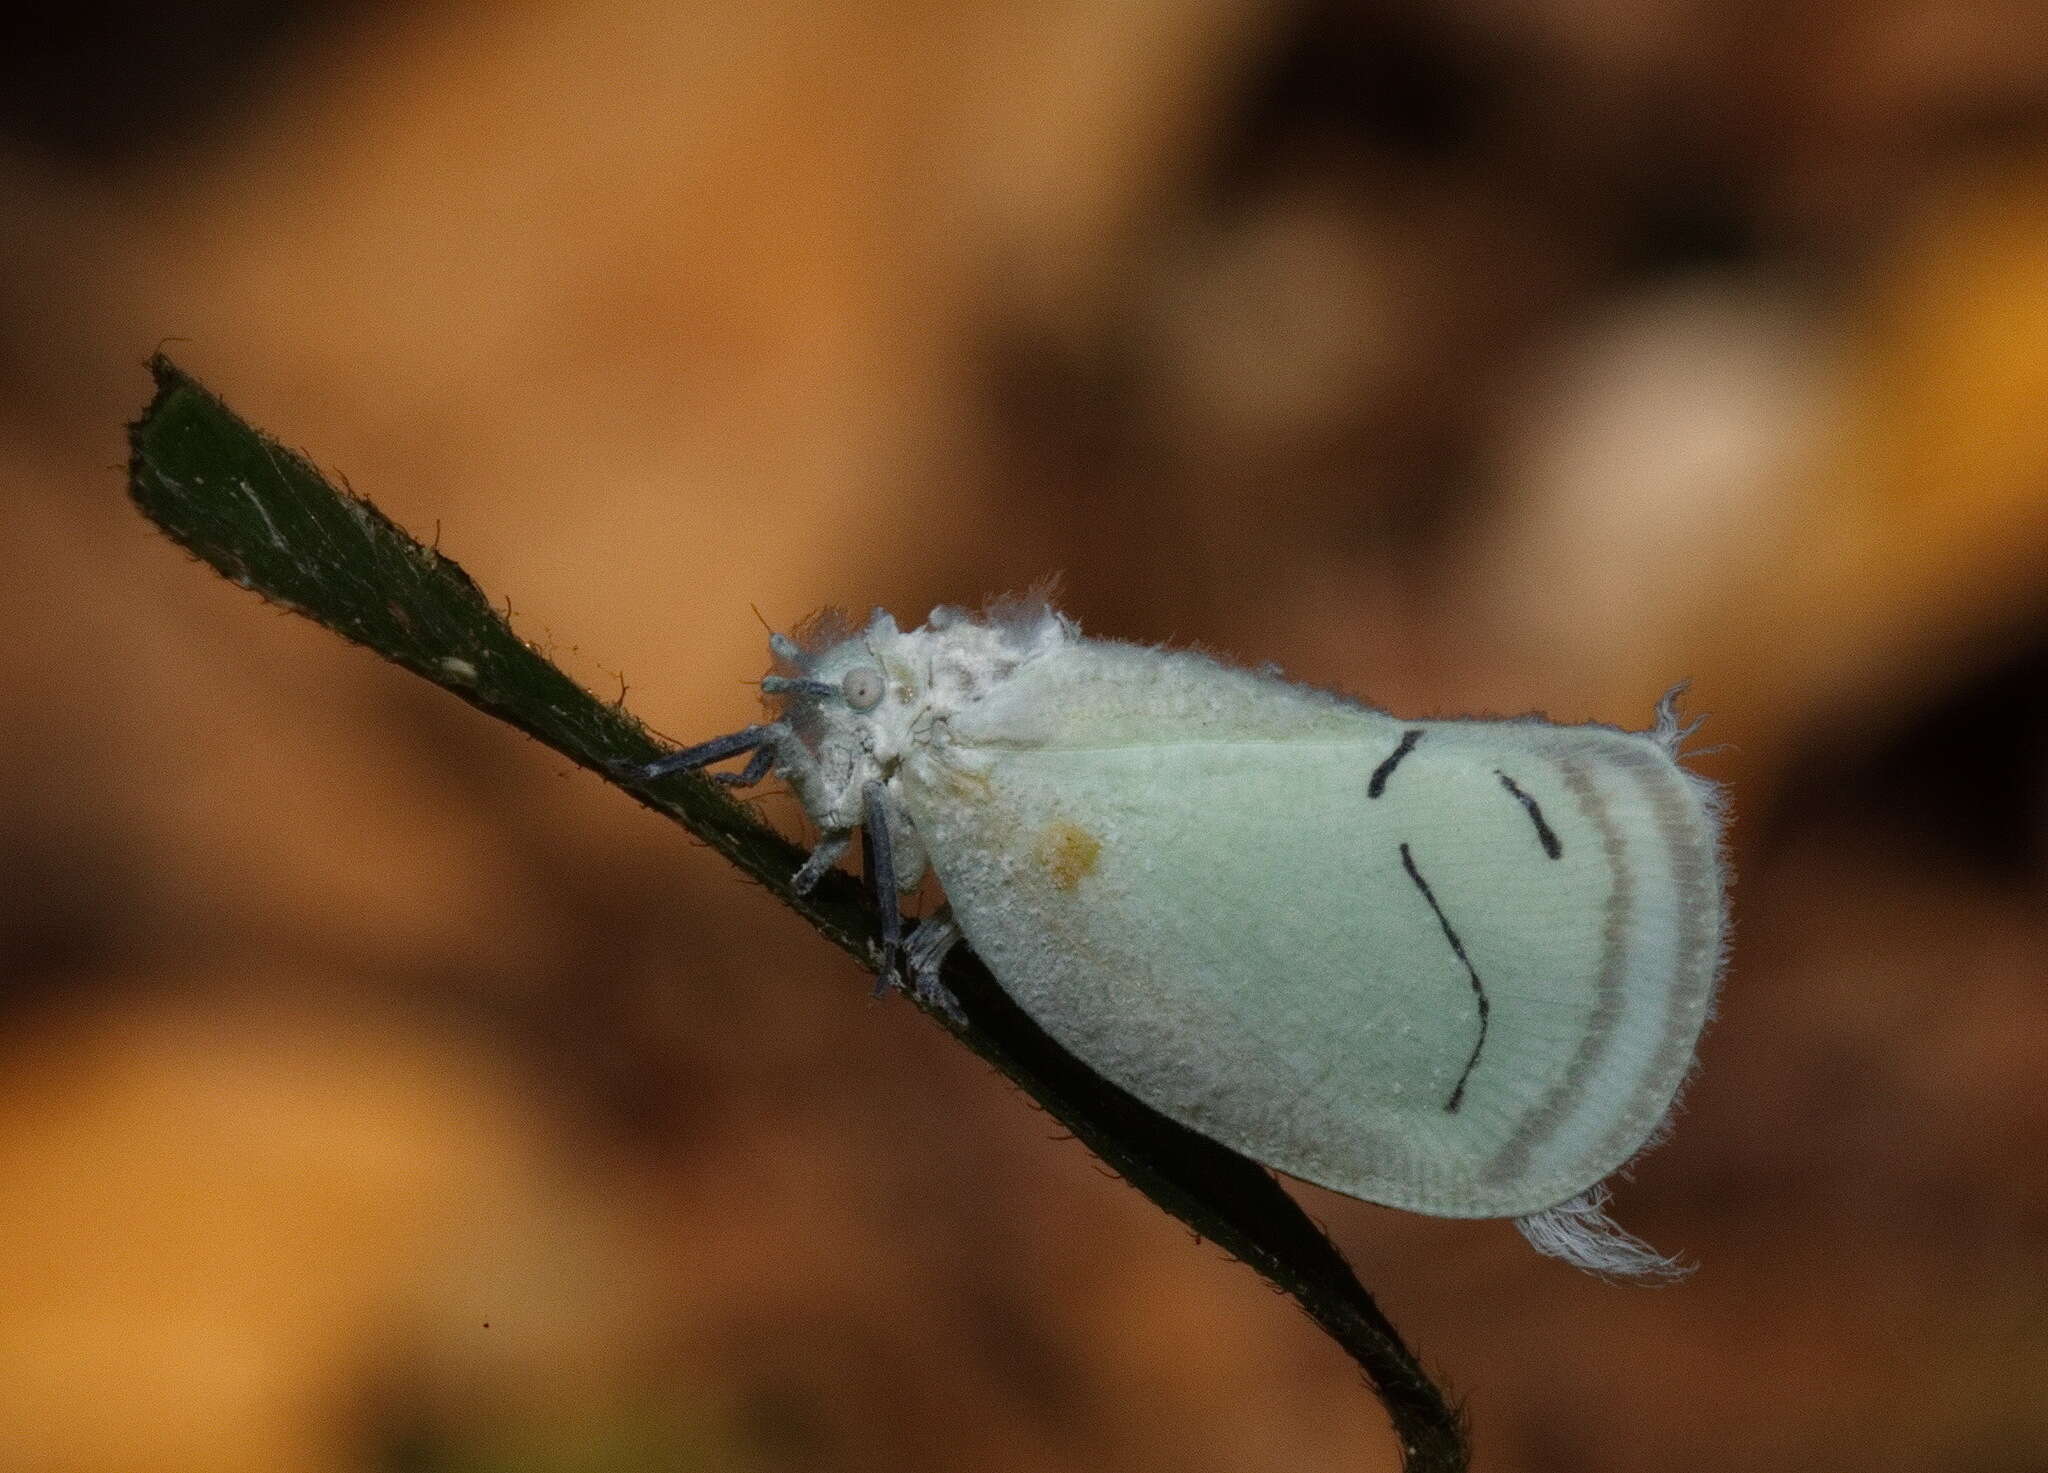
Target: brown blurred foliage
374,1094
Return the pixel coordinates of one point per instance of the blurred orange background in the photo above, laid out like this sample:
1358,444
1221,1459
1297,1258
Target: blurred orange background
377,1093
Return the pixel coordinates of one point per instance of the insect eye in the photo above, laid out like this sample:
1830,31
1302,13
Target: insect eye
863,688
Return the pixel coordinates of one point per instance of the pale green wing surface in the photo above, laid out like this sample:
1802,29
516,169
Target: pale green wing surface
1454,967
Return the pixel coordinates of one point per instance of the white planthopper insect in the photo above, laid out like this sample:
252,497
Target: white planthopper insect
1458,967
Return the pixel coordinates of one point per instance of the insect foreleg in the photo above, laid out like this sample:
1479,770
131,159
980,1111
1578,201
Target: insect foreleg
764,741
758,766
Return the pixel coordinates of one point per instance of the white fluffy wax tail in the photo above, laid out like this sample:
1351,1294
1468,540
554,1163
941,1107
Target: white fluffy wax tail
1582,1234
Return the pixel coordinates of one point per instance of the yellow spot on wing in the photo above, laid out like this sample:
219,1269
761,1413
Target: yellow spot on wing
1068,852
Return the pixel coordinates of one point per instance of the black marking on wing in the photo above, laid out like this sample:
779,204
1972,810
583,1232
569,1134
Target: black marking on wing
1478,988
1385,770
1545,834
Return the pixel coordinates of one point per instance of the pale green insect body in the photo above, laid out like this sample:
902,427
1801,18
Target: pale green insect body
1458,967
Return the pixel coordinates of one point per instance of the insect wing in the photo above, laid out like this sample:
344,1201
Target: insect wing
1454,967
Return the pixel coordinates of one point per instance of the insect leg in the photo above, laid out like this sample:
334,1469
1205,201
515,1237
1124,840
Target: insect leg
924,954
878,864
827,854
689,759
757,768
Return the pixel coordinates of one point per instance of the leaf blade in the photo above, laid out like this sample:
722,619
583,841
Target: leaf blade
265,517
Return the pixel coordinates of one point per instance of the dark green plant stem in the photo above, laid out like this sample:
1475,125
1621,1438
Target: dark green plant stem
265,518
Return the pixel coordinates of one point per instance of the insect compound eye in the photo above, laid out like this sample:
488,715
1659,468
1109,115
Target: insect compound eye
863,688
